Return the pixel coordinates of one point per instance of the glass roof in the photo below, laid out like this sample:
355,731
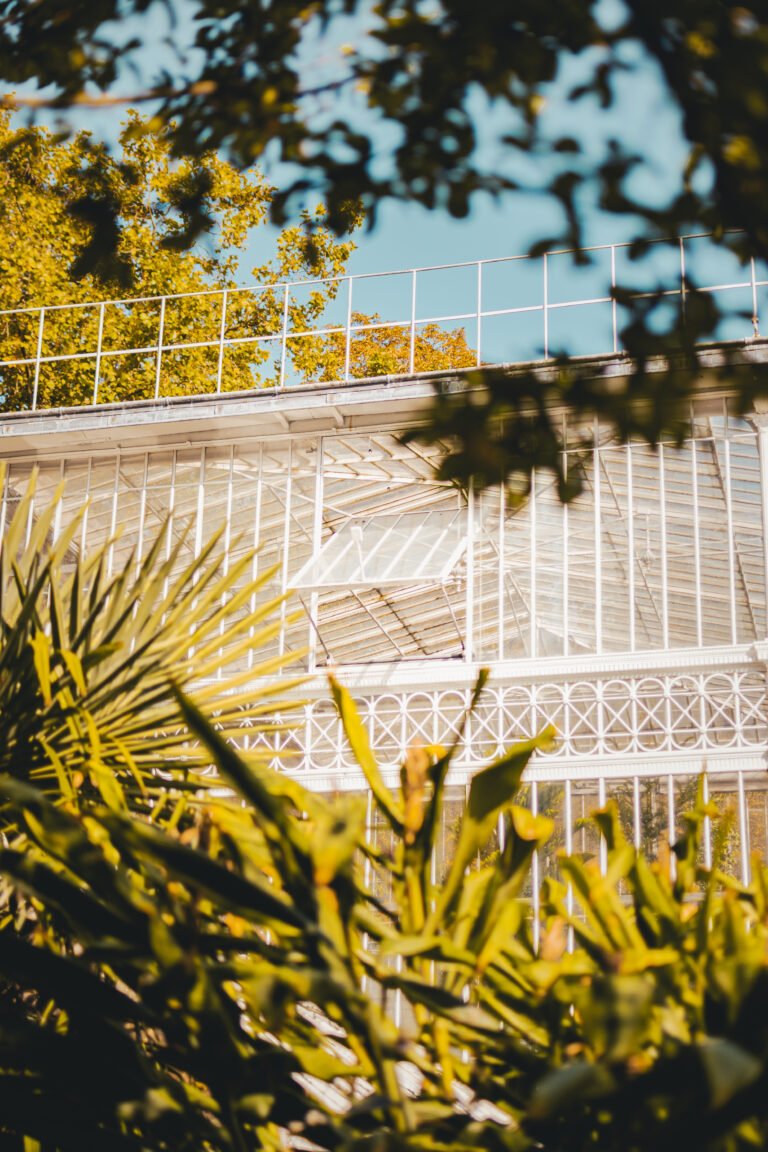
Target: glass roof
410,548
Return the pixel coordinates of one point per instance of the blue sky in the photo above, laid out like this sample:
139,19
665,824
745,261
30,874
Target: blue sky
408,235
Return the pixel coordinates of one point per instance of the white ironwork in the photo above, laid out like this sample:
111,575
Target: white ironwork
145,334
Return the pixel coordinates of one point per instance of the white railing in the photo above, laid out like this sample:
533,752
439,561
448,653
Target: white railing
341,329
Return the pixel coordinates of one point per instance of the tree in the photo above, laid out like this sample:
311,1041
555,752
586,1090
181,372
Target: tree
421,72
380,349
46,224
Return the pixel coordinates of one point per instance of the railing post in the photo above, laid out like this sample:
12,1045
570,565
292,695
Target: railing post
284,337
222,333
614,323
348,334
412,351
38,356
479,312
160,340
546,307
99,344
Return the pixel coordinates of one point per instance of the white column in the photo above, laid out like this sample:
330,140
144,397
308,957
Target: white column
469,635
761,423
598,542
286,546
317,537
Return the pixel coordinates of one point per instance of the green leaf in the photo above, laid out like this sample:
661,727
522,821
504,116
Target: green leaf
492,789
361,748
729,1069
247,897
565,1090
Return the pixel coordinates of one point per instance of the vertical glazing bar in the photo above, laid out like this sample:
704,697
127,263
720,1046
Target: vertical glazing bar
469,630
99,349
398,1013
746,869
731,544
30,512
284,335
222,335
113,516
160,343
412,341
228,509
707,821
4,505
256,540
601,799
227,542
169,520
535,875
501,832
682,281
566,550
479,313
367,873
755,304
546,306
56,526
614,315
286,549
502,564
637,814
762,448
696,536
317,537
533,626
200,508
348,333
568,817
38,356
630,548
84,521
598,542
664,556
199,524
671,836
142,513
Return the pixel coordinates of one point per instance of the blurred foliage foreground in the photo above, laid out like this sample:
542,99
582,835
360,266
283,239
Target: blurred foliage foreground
184,966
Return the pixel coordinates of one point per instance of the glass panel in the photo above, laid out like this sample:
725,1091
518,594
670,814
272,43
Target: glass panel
724,794
756,792
448,832
614,545
681,546
654,826
409,548
551,802
584,800
550,551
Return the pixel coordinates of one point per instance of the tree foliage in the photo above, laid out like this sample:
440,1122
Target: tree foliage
47,224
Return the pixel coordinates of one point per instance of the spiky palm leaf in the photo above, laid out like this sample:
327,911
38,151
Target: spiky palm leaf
87,657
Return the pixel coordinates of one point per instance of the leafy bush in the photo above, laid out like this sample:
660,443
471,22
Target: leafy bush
226,981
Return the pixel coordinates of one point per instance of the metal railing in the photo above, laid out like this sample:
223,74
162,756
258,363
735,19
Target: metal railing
346,328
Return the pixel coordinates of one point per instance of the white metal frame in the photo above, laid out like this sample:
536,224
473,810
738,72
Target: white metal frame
472,318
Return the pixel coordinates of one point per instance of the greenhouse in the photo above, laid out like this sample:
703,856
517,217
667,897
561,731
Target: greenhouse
633,620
